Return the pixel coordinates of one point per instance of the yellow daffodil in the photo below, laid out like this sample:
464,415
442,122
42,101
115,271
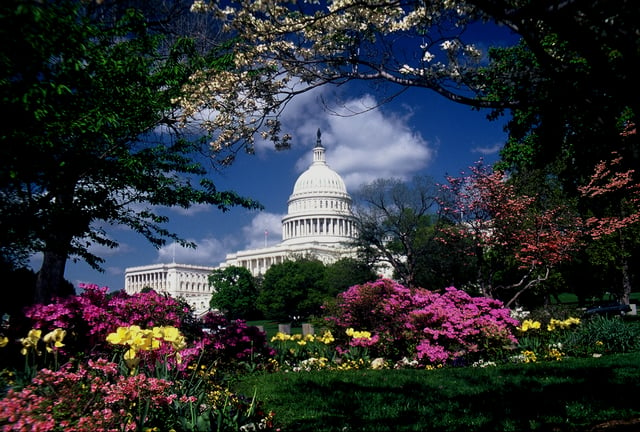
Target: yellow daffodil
120,337
358,334
529,324
131,358
326,338
173,336
54,339
281,337
31,341
3,341
562,324
529,357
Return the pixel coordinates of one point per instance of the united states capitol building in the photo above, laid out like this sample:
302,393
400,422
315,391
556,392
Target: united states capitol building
319,223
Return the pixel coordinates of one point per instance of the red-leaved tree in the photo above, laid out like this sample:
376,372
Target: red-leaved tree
486,210
615,193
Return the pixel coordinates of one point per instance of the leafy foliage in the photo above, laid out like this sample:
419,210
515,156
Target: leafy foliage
603,335
235,293
292,290
89,98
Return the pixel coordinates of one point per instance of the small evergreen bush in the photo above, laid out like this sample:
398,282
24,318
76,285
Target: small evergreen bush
602,335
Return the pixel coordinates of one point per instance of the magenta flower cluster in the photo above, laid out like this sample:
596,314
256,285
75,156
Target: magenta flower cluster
228,341
94,313
431,327
163,383
90,316
86,398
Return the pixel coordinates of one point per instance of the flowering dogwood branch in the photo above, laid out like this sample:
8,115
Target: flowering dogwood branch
287,47
606,180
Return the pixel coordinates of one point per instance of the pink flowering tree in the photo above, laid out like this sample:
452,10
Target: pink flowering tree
485,209
614,194
426,326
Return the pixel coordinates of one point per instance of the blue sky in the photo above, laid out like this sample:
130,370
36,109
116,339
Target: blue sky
418,133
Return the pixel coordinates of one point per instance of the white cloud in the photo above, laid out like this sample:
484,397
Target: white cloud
485,151
264,228
363,147
193,210
210,251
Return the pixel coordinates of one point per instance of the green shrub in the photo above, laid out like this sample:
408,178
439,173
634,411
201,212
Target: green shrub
602,335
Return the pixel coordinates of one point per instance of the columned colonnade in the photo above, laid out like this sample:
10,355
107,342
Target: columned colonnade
318,226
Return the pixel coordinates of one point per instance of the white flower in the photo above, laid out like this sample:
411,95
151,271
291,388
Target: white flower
406,69
427,56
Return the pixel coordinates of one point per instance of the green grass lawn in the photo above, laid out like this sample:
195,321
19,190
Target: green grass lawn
271,327
561,396
570,298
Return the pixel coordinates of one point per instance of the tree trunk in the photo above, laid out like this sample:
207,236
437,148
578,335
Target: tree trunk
626,283
50,277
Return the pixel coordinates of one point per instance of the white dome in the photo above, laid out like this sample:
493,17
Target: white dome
319,207
319,179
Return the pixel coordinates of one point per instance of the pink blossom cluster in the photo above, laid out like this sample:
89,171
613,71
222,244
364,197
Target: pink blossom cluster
89,393
90,397
94,313
228,341
431,327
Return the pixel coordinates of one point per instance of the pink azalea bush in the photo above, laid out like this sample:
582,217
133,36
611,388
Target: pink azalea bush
422,325
92,397
94,313
233,342
90,316
169,372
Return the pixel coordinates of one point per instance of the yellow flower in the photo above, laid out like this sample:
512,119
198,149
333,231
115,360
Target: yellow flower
529,356
131,358
3,341
54,339
31,341
280,337
173,336
326,338
554,323
141,339
529,324
555,354
120,337
358,334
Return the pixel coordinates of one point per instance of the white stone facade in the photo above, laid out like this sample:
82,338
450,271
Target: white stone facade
189,282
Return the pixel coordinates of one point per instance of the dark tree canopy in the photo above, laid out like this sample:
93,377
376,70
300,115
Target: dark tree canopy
292,290
235,293
89,140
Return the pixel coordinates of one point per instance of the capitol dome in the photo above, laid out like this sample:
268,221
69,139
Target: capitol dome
319,178
319,209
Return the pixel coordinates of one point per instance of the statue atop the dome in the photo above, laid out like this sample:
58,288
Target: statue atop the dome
318,140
